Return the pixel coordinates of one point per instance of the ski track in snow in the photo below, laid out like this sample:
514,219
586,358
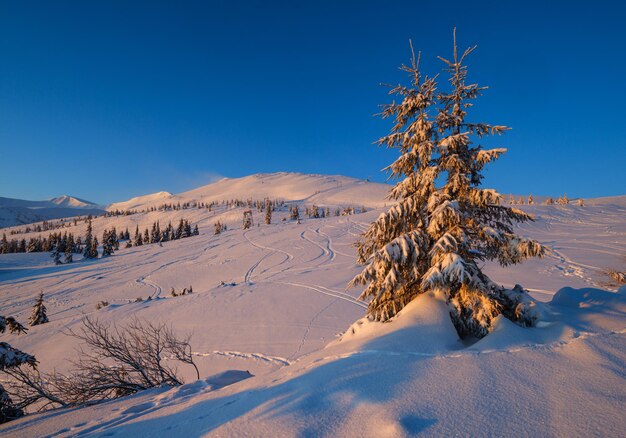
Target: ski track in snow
153,285
326,291
324,252
248,274
330,243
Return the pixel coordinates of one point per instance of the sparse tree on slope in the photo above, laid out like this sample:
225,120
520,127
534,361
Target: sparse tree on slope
436,235
39,312
107,247
247,219
56,255
69,249
138,239
4,244
94,248
268,212
88,251
295,214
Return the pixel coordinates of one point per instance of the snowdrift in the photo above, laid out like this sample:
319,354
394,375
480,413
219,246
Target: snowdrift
409,376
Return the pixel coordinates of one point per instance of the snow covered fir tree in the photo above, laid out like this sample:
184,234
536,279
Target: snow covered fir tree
39,315
444,224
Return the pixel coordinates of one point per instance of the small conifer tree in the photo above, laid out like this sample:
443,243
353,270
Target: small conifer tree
138,239
87,253
56,255
295,214
247,219
268,212
94,248
107,247
38,315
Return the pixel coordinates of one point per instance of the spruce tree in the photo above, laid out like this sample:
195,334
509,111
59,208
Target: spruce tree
107,247
38,316
268,212
4,244
295,214
138,239
69,249
56,255
247,219
180,230
87,253
187,232
443,225
94,248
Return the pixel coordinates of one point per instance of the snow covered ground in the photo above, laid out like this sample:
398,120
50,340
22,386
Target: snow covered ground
271,302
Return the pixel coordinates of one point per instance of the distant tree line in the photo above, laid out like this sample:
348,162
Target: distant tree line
156,235
66,244
63,242
49,225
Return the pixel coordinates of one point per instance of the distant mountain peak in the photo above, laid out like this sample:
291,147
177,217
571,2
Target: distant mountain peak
72,201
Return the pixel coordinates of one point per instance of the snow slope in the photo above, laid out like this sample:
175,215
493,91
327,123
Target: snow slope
140,202
313,189
272,301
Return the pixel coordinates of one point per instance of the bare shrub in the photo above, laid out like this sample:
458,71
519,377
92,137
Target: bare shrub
112,363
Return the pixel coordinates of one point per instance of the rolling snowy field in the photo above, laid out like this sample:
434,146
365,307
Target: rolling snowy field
272,301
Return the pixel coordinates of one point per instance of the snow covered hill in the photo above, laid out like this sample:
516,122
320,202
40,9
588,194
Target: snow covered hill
19,211
71,201
141,202
321,189
272,301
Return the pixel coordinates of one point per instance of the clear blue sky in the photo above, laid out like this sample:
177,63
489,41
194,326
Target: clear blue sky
108,100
